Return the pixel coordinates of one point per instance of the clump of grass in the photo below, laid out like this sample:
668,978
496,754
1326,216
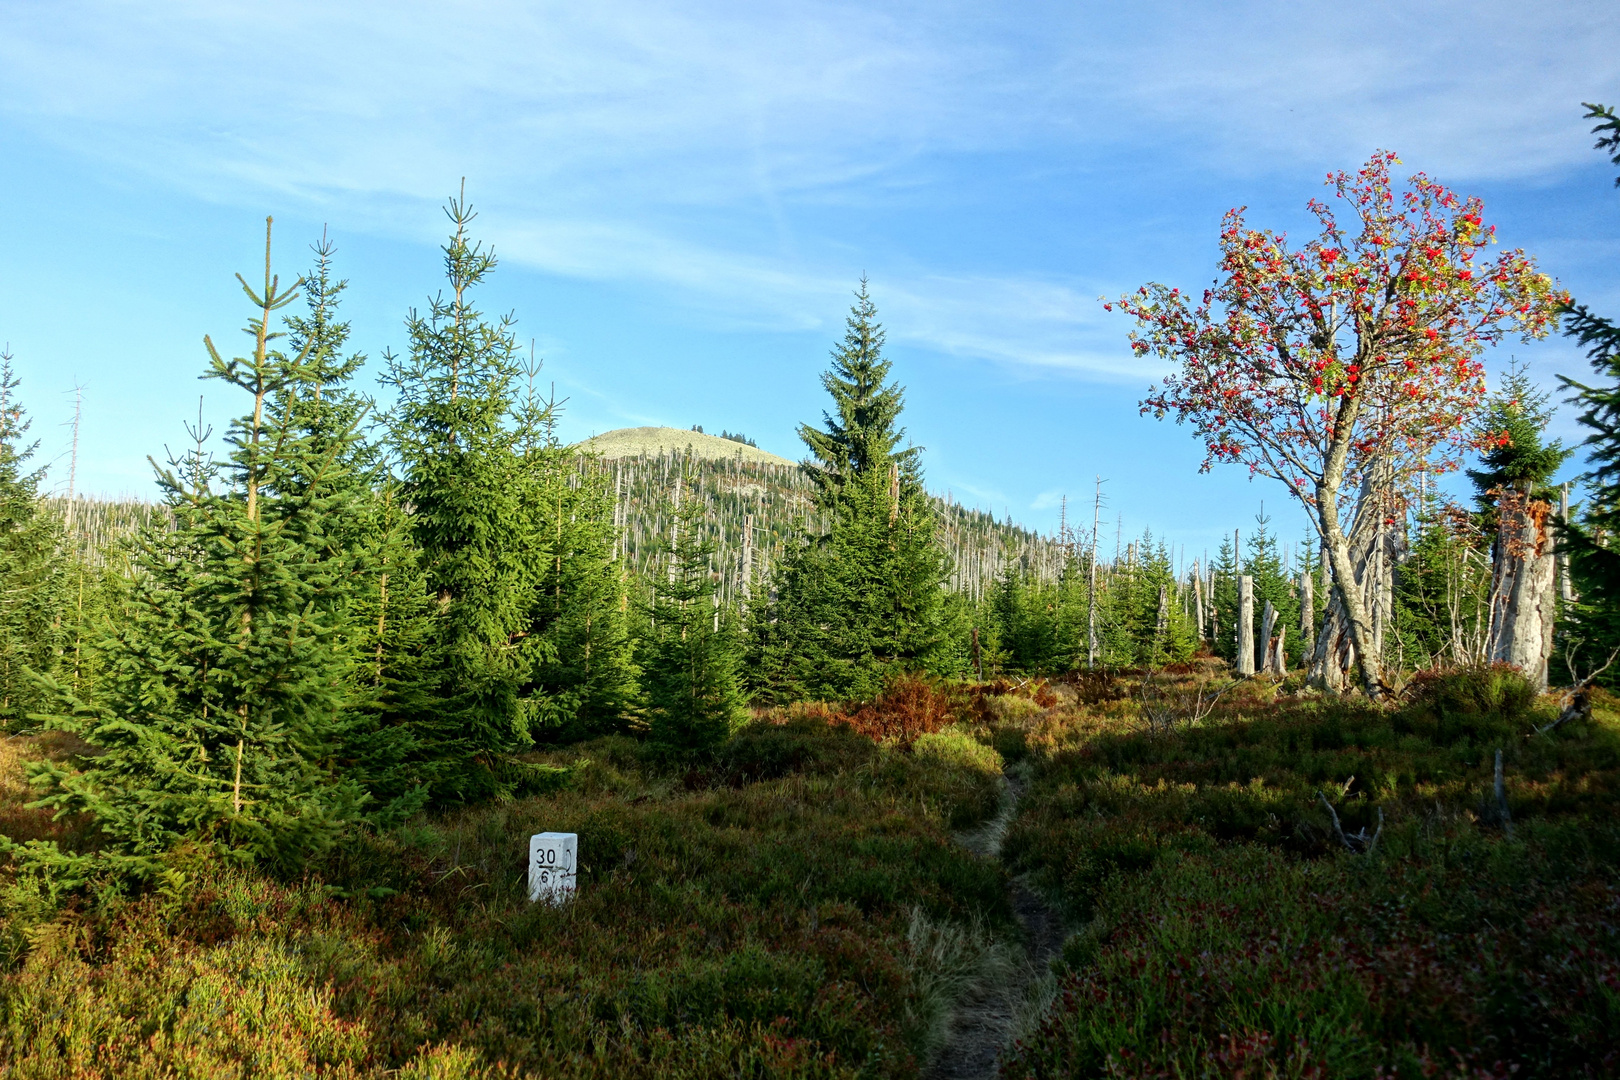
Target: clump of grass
948,961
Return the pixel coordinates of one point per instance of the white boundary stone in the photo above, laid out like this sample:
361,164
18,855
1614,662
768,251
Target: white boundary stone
553,863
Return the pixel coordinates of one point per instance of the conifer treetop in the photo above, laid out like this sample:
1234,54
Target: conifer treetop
16,486
862,432
1514,454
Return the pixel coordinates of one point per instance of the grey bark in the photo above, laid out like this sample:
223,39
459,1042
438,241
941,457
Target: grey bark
1268,623
1198,598
1371,552
1523,587
1307,614
1566,588
1245,625
747,561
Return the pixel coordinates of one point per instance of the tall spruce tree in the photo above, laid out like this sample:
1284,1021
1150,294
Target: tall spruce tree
33,575
388,621
458,451
863,600
1595,562
691,651
219,708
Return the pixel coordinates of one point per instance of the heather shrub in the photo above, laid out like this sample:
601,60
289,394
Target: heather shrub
1484,690
767,749
1223,929
954,747
1466,956
909,706
812,925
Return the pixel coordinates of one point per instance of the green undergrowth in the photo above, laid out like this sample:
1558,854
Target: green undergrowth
1226,930
794,907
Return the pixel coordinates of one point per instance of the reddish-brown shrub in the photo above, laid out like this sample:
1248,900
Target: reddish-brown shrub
909,706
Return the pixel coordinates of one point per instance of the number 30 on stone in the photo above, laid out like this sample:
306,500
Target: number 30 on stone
553,857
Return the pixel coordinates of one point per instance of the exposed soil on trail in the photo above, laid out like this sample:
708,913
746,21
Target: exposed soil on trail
987,1017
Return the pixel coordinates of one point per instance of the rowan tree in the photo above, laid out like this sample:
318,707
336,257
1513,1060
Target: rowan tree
1309,364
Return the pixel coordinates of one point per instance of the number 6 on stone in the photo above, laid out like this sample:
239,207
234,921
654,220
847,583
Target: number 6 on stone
553,857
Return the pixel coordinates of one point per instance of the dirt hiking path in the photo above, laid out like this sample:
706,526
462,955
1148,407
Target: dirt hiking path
987,1017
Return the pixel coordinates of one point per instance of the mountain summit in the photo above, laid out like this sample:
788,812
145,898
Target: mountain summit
653,441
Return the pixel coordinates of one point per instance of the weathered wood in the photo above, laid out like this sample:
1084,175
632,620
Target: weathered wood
1198,599
1523,586
1245,625
747,561
1307,614
1268,623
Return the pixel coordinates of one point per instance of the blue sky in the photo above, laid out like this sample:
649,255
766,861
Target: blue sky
683,196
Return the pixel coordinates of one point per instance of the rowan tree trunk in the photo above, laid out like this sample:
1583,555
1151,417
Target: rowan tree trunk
1338,547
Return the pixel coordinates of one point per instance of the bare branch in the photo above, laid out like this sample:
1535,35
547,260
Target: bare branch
1357,843
1577,700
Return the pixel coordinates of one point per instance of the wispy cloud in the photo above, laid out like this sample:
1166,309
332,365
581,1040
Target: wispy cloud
679,148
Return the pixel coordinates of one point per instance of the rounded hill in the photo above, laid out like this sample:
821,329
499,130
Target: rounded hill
653,441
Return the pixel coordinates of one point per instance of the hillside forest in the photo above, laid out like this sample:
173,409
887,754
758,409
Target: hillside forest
867,783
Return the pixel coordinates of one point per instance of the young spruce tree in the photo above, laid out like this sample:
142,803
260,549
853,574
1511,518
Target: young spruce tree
583,680
33,575
218,711
864,600
457,451
1595,559
388,621
691,652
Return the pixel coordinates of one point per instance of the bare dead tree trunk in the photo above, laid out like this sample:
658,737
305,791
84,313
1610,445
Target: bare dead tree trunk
1245,625
1198,599
1566,588
1091,592
747,561
1307,614
1268,623
1523,585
